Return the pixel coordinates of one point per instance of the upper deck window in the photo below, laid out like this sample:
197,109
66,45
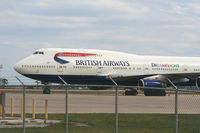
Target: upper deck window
38,52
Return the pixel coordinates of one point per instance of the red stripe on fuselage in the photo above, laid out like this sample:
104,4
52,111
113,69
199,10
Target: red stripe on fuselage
68,54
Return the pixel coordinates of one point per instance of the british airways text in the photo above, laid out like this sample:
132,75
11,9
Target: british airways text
101,63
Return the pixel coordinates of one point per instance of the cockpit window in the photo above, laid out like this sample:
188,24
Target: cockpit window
38,52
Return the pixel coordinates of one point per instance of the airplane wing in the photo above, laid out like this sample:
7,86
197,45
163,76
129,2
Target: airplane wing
175,77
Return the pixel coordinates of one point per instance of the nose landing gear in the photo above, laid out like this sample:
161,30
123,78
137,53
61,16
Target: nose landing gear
46,90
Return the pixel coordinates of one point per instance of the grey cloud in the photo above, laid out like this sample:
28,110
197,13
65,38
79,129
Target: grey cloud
139,27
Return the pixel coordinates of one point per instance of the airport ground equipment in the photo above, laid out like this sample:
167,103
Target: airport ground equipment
2,103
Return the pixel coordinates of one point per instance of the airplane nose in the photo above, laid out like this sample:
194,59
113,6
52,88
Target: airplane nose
17,67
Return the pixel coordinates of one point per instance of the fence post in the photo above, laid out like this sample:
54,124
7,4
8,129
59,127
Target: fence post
3,103
116,105
1,110
24,104
66,111
11,107
176,112
33,108
66,106
116,111
176,105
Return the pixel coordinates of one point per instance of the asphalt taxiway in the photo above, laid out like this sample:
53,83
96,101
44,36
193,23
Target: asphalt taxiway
106,103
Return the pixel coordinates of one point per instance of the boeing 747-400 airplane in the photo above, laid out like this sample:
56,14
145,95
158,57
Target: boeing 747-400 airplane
86,66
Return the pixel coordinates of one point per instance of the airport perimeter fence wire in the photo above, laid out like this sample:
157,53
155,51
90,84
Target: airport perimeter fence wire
56,106
11,80
179,114
151,114
153,111
189,111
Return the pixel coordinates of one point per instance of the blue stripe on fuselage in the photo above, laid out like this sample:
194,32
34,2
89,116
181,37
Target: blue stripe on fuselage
72,79
77,79
91,79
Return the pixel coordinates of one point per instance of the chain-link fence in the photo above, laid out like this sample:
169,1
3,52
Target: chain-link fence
76,108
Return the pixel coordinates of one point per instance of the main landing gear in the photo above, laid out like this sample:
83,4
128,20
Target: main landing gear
131,92
151,92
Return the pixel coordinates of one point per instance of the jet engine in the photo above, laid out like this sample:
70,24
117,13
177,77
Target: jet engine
153,83
198,83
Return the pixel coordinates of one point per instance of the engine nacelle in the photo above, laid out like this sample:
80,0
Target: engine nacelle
154,84
197,83
151,83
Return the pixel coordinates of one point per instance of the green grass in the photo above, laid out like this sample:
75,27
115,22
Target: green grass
128,123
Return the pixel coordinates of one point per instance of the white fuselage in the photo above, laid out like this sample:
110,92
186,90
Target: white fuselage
75,64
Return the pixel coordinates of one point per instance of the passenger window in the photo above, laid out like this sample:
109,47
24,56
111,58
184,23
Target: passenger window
38,52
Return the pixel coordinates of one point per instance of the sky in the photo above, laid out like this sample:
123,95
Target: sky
144,27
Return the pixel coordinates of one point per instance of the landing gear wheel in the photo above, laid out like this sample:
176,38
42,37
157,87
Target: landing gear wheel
131,92
150,92
46,91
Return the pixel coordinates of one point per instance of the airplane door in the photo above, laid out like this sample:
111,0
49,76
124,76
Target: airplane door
99,70
37,70
185,68
146,68
60,69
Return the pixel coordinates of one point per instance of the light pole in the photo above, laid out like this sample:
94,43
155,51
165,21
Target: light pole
1,67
